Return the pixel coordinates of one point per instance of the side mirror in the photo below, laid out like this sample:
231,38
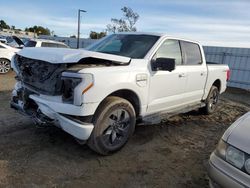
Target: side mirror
165,64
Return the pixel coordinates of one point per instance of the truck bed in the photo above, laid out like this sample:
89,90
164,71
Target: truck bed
213,63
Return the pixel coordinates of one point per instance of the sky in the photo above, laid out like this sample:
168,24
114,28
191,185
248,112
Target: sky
212,22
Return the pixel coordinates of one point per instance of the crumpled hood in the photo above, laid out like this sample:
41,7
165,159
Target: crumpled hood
65,55
238,134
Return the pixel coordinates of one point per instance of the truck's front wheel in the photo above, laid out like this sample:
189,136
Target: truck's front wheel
114,123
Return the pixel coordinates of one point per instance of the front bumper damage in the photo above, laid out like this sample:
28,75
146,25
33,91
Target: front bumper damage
43,112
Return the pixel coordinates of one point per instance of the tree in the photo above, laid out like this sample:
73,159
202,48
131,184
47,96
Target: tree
3,25
125,24
96,35
38,30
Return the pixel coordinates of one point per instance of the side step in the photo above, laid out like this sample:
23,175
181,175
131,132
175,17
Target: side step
157,118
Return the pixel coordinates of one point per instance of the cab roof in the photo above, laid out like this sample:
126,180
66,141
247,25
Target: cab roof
159,35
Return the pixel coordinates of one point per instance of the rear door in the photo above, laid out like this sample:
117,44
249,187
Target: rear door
196,71
167,89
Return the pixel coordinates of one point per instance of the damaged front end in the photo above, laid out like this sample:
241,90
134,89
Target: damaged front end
39,76
44,112
51,86
23,104
44,78
48,94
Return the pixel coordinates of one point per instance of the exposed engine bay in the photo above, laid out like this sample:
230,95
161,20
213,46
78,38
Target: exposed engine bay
39,75
46,78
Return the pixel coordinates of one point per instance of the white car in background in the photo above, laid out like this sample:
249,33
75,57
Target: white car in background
229,164
6,53
45,43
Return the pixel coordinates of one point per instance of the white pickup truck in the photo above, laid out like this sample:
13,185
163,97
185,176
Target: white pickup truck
98,95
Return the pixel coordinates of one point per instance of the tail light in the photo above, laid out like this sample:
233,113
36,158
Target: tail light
228,74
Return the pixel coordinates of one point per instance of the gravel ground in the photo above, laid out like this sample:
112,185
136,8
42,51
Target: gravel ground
171,154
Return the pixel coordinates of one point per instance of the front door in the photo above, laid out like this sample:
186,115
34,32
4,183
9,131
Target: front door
166,89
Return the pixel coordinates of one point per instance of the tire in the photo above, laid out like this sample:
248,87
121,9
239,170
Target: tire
211,101
114,123
4,66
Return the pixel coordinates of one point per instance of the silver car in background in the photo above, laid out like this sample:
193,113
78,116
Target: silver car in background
229,164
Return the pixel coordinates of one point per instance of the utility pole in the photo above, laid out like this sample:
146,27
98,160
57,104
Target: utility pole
78,31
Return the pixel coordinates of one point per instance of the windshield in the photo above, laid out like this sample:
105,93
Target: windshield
129,45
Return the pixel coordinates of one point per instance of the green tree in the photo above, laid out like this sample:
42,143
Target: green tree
96,35
39,30
3,25
124,24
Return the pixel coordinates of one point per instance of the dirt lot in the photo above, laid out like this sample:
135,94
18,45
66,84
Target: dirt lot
171,154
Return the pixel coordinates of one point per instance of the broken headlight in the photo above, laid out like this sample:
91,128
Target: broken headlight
69,84
75,85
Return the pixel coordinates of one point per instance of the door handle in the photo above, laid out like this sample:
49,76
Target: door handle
182,75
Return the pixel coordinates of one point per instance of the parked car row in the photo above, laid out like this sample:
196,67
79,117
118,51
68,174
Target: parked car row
10,45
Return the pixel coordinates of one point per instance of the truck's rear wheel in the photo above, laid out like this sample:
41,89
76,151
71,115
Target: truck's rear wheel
114,123
212,100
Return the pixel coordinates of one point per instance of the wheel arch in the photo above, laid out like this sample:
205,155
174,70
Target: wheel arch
217,83
129,95
5,59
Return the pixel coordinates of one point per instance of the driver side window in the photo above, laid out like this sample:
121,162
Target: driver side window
170,49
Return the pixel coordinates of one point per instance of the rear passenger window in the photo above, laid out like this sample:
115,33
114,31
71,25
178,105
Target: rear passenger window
170,49
191,53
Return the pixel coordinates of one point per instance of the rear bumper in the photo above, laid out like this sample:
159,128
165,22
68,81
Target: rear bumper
223,174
